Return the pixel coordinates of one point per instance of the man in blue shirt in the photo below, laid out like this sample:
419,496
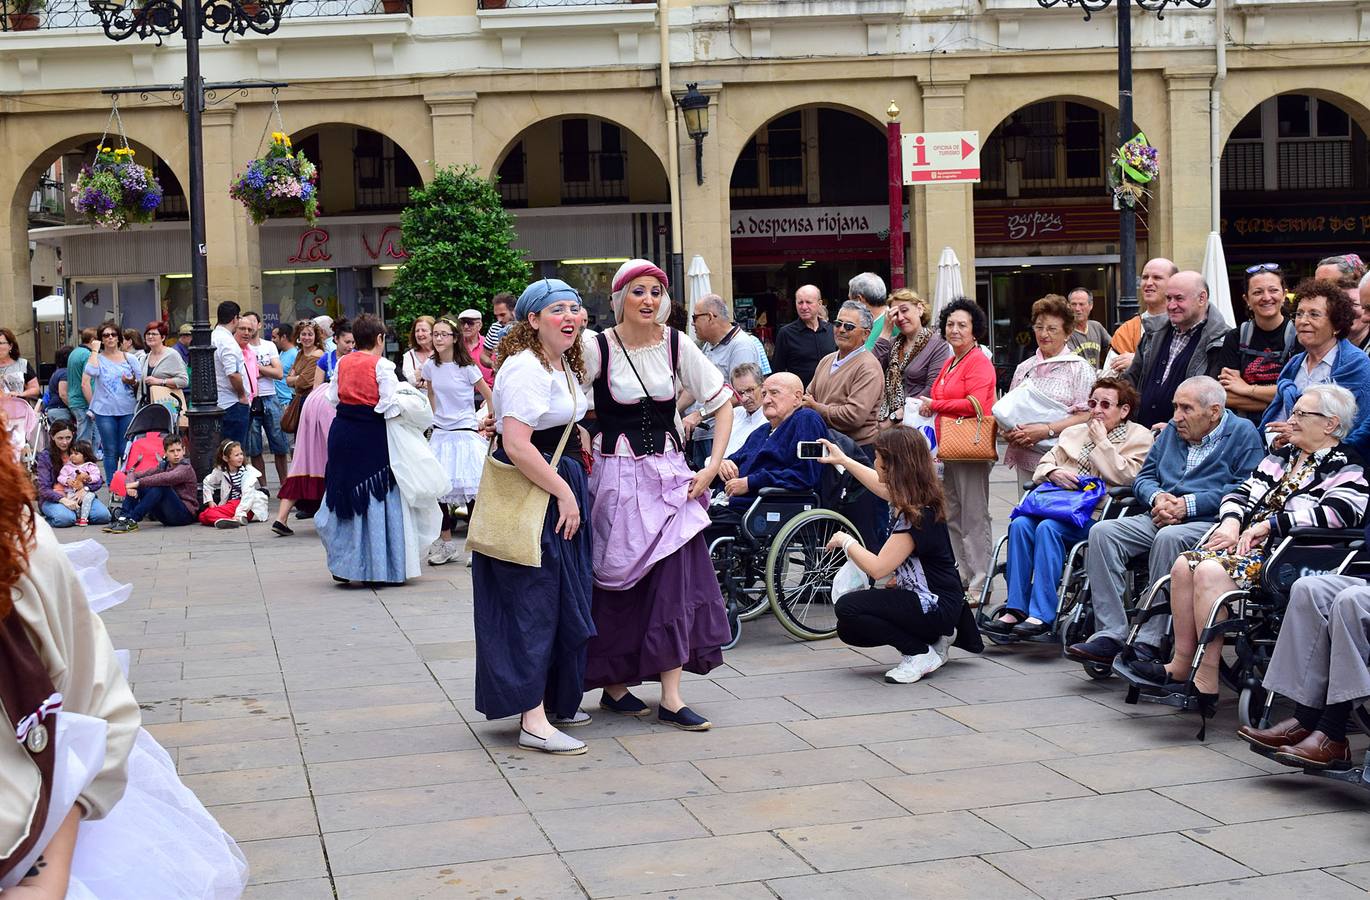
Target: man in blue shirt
769,457
1203,453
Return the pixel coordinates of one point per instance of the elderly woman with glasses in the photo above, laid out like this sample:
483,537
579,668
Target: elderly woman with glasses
1109,447
1056,372
1322,318
1312,480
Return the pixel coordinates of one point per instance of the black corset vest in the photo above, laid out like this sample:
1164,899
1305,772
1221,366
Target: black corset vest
648,424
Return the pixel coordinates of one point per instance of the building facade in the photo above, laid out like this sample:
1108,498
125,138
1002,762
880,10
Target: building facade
570,104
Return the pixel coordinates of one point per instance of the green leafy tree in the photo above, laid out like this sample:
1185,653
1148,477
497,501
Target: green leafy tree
460,244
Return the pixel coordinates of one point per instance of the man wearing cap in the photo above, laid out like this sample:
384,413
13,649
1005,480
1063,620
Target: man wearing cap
470,321
182,344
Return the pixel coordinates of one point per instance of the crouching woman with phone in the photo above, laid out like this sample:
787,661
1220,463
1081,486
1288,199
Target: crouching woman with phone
925,610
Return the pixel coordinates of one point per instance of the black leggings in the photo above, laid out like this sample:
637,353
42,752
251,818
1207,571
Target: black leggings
894,617
449,518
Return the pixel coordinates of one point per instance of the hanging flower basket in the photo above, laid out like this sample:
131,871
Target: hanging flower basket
1135,165
281,184
114,191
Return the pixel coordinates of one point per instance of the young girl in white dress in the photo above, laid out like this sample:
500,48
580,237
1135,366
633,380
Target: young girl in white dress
452,379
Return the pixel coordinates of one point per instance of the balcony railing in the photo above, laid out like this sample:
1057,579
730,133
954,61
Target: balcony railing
48,203
1315,164
526,4
1243,167
784,172
598,176
55,14
1049,166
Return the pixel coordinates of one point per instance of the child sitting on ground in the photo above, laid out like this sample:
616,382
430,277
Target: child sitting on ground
231,493
80,479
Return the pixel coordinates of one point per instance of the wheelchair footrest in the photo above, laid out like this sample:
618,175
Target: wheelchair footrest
1145,689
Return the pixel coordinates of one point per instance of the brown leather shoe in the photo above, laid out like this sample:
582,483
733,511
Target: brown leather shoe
1317,751
1281,734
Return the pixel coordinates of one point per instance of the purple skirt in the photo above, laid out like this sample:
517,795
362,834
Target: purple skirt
674,617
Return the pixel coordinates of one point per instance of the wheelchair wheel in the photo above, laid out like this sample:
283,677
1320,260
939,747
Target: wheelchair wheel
1251,707
735,580
735,627
800,572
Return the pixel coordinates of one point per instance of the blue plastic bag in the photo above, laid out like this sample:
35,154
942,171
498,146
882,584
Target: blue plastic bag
1074,506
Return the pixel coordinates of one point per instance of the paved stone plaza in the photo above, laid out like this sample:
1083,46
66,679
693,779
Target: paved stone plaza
331,730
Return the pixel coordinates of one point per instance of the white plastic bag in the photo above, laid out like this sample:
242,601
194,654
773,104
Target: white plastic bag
1027,404
924,425
848,578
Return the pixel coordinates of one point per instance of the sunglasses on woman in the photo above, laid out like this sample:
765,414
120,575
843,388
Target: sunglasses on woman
1263,267
1102,404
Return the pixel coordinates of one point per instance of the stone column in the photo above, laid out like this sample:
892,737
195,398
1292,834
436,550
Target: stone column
454,135
705,207
232,241
945,212
1182,221
16,288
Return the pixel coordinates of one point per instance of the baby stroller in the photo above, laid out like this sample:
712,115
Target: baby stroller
24,427
142,447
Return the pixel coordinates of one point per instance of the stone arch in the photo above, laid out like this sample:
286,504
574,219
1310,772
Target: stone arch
500,118
40,148
743,117
1238,108
404,120
990,103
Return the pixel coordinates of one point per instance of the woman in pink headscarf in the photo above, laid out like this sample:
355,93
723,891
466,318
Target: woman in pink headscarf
656,605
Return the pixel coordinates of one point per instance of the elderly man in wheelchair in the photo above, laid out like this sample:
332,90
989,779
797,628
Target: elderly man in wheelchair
1202,454
768,527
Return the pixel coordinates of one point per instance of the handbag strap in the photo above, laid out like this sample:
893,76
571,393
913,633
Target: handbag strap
979,410
566,434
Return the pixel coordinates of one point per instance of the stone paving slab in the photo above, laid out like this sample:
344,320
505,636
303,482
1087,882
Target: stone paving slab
334,733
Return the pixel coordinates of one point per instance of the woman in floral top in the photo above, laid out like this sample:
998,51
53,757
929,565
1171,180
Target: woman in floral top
1312,481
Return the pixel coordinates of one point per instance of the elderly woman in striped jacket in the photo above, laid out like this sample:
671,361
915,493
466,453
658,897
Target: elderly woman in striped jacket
1312,481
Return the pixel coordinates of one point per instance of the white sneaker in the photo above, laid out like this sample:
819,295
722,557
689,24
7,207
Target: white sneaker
434,547
913,668
943,648
448,551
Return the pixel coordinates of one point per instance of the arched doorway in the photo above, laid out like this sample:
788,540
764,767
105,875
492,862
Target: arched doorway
1044,221
105,274
1295,185
586,194
342,265
809,194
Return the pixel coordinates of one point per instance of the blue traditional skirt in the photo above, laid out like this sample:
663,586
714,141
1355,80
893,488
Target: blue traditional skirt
533,625
361,519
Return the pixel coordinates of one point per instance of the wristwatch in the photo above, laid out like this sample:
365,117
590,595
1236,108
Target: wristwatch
1051,432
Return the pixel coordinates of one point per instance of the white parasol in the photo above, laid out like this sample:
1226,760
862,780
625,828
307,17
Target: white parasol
698,277
1215,273
949,285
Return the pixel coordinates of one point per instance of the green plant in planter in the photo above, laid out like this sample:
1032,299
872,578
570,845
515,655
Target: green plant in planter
460,244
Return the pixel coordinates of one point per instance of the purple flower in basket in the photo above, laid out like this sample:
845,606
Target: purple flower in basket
150,201
96,201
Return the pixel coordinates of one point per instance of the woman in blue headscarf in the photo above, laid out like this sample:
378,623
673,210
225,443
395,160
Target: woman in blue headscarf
533,624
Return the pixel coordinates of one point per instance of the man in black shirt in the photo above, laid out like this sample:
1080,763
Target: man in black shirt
802,343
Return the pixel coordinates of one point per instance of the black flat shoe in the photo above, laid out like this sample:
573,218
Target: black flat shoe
999,626
1152,671
282,529
627,705
1031,629
684,718
341,580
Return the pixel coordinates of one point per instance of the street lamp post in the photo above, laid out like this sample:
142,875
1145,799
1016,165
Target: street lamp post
1127,218
157,19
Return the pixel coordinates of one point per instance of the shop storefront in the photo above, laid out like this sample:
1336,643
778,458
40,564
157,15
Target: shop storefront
1025,252
775,251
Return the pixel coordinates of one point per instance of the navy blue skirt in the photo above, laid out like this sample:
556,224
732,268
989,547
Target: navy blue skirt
533,624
